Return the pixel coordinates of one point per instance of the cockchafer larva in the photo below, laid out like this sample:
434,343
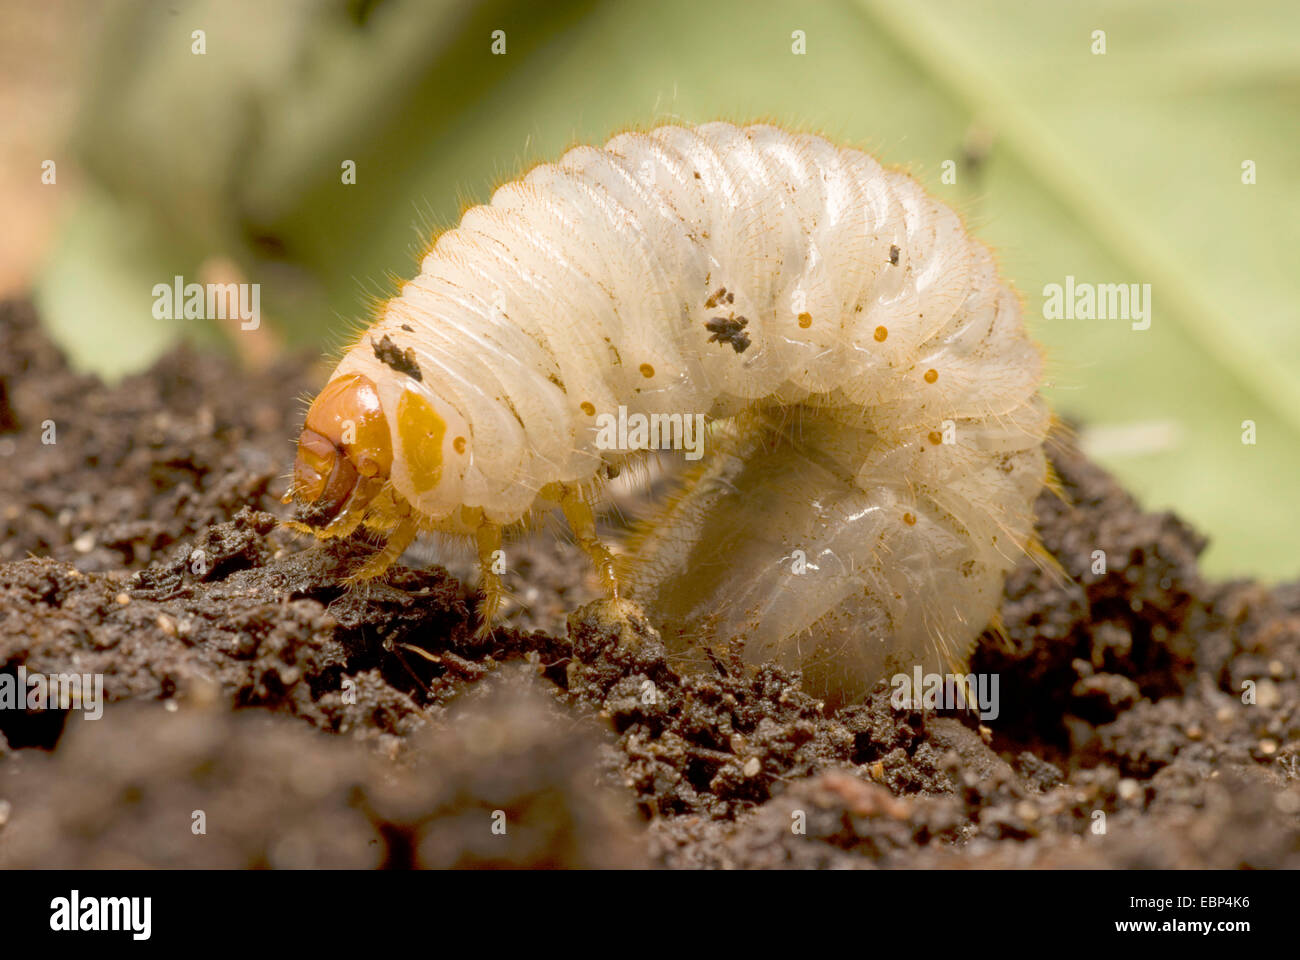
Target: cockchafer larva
876,428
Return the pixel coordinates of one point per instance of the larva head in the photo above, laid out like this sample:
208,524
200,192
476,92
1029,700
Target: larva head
345,452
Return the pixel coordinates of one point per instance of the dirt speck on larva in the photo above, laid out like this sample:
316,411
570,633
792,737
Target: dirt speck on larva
403,361
728,331
366,724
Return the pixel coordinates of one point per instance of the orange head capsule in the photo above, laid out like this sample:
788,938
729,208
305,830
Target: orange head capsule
345,451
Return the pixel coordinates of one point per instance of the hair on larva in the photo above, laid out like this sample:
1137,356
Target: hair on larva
875,427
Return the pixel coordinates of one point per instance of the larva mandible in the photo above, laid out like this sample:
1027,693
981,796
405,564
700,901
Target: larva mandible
872,391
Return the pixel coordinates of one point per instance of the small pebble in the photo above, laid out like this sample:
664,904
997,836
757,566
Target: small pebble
1288,802
1267,694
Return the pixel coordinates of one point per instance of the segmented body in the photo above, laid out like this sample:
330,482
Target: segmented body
880,390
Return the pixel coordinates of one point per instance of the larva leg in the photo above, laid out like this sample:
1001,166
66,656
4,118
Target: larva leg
488,538
583,524
398,540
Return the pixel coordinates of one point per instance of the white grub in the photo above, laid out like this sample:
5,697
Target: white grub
876,432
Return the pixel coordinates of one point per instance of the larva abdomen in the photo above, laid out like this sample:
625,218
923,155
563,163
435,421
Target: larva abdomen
877,387
849,574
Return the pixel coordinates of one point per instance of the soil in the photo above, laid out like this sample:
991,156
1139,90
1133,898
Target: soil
260,714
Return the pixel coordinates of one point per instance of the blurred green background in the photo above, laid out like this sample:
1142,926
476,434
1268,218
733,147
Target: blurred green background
1122,167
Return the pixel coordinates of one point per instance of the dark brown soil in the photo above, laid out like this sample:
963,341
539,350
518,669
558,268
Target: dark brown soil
144,544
